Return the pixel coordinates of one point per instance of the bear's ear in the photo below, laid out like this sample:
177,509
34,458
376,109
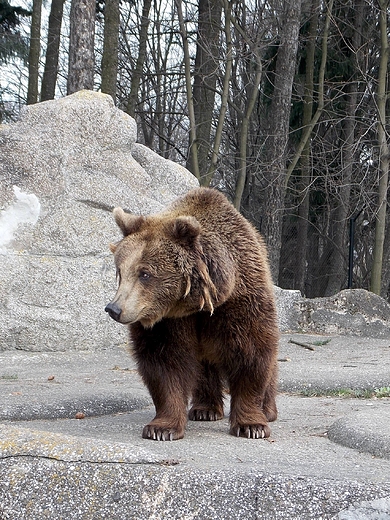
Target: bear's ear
184,230
128,223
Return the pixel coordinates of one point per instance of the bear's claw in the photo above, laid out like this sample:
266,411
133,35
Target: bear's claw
199,414
161,434
252,431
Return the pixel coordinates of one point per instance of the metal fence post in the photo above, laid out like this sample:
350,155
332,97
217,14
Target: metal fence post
352,222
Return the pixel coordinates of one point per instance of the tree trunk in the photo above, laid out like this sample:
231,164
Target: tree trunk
205,79
137,73
309,127
34,53
380,226
339,254
385,291
224,96
193,148
251,75
276,145
110,48
81,46
242,170
49,78
303,186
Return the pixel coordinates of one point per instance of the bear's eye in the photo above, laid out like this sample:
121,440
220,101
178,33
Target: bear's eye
144,275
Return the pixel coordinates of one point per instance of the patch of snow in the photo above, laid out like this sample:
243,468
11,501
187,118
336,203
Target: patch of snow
24,210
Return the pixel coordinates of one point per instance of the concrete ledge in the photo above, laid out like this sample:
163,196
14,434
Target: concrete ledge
54,489
100,467
22,442
364,431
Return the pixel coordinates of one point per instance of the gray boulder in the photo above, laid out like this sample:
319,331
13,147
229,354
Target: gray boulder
288,305
354,312
72,160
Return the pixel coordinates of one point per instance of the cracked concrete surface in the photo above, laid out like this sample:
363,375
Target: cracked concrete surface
100,467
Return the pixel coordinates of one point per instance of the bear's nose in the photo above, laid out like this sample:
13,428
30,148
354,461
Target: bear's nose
114,311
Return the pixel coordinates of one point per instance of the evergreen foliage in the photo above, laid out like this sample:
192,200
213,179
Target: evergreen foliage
12,43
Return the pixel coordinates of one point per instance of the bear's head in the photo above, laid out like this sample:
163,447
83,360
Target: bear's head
161,269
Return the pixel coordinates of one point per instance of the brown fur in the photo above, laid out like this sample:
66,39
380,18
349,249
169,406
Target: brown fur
196,292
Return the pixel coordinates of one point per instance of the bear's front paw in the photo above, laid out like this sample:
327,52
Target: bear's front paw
204,414
251,431
157,433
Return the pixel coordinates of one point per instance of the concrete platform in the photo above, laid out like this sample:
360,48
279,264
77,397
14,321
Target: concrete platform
328,457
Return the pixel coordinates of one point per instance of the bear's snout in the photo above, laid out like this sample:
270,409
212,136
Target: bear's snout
114,311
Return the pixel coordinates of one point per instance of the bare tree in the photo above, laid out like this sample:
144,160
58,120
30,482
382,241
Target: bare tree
275,113
303,184
251,76
224,96
137,72
81,46
205,73
34,52
380,226
337,258
273,189
49,78
193,147
110,48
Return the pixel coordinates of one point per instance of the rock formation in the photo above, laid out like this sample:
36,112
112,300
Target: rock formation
79,158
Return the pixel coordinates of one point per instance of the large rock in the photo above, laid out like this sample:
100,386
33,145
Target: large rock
78,156
353,312
288,306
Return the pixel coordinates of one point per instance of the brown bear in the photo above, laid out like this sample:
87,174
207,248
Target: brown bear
196,292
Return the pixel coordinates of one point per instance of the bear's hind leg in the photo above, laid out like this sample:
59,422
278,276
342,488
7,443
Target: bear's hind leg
207,399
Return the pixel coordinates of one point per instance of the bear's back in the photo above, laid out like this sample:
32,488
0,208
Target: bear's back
214,212
219,218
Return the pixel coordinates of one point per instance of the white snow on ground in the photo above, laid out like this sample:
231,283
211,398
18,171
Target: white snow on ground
24,210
